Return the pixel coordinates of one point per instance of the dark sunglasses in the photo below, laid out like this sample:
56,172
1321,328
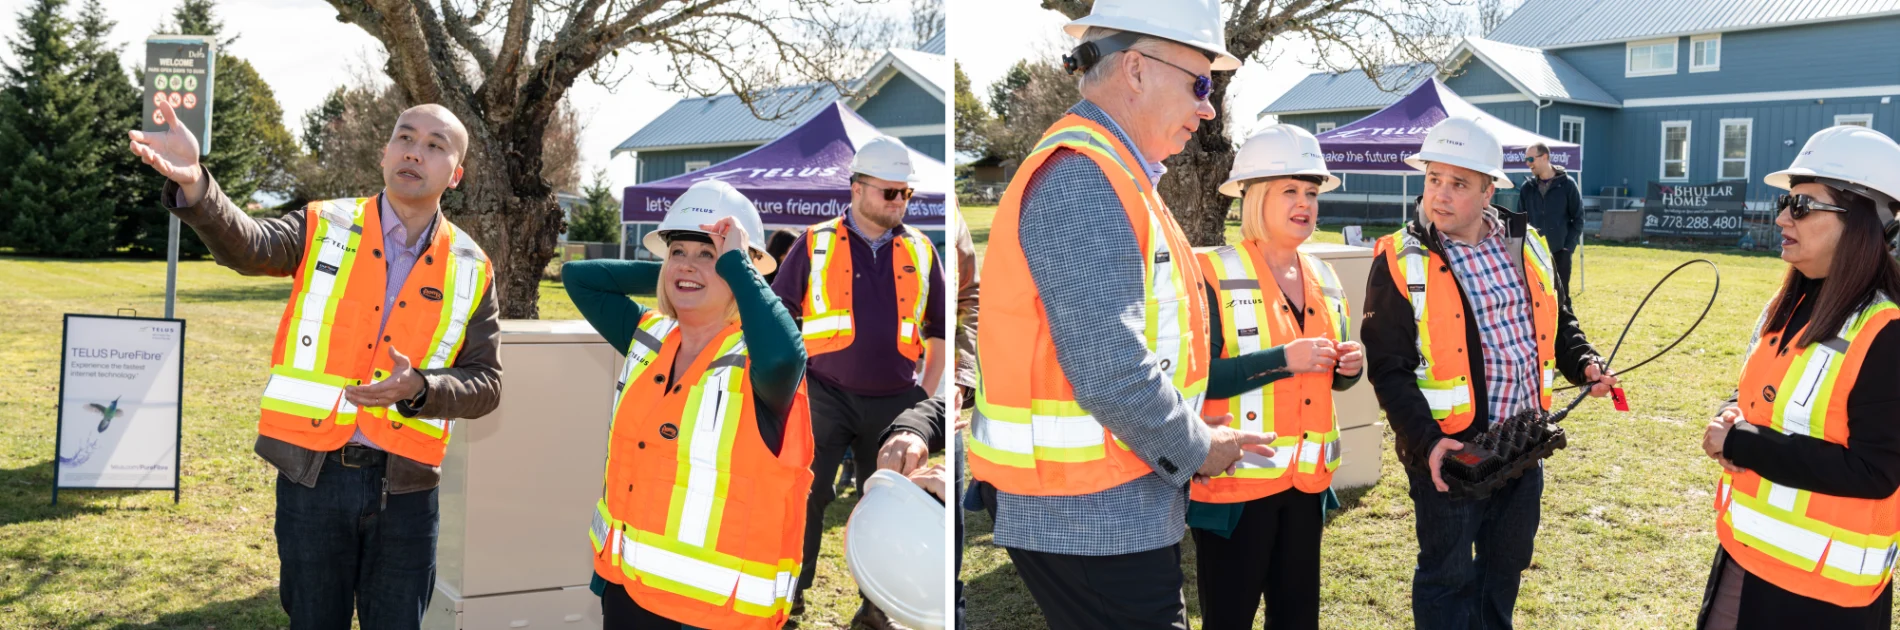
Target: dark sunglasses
1531,159
1203,84
1798,206
891,194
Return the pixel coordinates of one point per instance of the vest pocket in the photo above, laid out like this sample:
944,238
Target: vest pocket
300,400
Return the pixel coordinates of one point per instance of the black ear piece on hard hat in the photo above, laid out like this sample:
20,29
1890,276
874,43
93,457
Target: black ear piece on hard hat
1085,56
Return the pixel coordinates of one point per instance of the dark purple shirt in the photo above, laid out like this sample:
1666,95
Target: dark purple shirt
871,366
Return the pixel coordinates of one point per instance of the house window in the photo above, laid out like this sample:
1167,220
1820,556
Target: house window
1325,127
1736,136
1649,58
1675,150
1705,53
1570,129
694,165
1863,120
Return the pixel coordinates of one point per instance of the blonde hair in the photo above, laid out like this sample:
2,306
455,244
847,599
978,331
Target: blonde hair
666,304
1253,207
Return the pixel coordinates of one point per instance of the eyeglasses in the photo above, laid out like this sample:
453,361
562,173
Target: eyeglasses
891,194
1798,206
1203,84
1531,159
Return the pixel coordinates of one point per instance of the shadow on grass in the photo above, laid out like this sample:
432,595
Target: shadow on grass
26,495
273,292
261,610
43,563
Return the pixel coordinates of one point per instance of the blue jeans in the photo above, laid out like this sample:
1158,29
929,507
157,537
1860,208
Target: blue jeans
1472,553
343,550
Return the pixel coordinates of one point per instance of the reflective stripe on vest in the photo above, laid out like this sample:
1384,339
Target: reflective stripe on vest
1045,443
683,557
1836,549
1247,300
828,323
1444,377
318,358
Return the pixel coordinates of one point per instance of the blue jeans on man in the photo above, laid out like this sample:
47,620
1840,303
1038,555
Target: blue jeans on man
345,549
1471,554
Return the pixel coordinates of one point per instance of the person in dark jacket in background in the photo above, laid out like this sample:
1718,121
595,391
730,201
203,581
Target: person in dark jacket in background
1555,205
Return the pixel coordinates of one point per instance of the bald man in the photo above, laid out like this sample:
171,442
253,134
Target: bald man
389,335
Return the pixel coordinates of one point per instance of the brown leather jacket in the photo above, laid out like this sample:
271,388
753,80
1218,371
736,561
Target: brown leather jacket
967,289
274,247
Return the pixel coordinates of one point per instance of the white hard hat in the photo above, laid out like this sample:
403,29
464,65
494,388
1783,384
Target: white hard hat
1459,141
1192,23
884,157
706,202
1855,158
1276,151
894,547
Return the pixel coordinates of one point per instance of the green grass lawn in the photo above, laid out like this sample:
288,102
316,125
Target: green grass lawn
1627,531
113,559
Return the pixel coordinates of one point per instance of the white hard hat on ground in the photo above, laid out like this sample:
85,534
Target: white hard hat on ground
1277,151
1459,141
1193,23
884,157
1851,158
894,547
707,202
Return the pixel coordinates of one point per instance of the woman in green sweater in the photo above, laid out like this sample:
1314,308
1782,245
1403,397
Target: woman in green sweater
716,318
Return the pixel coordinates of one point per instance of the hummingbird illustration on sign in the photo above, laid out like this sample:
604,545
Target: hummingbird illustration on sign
107,413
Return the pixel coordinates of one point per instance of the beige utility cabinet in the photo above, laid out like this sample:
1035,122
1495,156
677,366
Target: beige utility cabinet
1361,434
519,486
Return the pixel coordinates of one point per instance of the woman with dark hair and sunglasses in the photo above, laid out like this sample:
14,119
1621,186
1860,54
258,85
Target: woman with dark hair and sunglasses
1807,510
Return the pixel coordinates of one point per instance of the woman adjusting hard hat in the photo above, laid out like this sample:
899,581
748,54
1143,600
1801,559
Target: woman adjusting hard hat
702,512
1806,508
1283,344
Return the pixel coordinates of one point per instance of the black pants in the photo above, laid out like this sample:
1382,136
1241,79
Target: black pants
618,611
1561,259
1762,605
1134,591
346,547
1274,553
841,420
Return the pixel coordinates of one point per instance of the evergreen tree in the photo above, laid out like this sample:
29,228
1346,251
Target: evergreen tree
54,191
130,185
597,220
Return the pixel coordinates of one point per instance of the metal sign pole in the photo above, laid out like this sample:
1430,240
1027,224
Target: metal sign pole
171,268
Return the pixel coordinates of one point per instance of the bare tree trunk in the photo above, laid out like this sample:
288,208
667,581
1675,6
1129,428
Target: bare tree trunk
509,208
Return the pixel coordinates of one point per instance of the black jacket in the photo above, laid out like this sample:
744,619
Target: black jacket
1390,335
1558,213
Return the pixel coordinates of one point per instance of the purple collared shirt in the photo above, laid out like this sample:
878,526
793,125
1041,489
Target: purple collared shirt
871,366
400,259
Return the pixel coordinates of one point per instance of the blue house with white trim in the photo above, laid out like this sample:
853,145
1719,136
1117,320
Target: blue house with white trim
1678,92
903,94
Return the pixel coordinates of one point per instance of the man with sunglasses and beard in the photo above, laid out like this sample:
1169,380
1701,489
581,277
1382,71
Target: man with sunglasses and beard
868,291
1555,206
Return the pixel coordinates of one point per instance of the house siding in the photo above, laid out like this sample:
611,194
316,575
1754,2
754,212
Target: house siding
1806,57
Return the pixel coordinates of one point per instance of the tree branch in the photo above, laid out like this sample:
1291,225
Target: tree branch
464,34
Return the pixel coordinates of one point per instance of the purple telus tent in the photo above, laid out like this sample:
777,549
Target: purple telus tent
799,179
1379,143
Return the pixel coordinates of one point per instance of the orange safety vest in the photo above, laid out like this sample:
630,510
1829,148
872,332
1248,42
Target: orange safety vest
1444,370
1835,549
328,337
1298,409
698,519
829,322
1028,435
